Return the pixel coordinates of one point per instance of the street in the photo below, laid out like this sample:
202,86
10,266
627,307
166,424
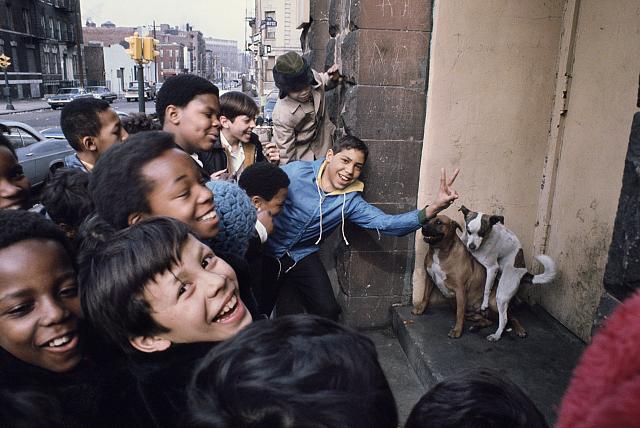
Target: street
48,118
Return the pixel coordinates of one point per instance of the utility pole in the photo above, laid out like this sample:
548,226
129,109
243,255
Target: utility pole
259,53
155,64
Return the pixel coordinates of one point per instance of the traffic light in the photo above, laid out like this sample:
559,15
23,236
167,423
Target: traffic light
149,51
5,61
135,47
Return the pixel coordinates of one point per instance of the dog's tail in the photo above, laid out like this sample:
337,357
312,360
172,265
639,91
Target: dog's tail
548,275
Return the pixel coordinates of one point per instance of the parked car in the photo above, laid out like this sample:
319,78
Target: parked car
131,93
38,155
65,95
102,92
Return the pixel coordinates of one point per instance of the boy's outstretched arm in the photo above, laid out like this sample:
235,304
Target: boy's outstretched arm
446,195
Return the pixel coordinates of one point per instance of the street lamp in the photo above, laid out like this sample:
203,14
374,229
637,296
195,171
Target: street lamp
5,62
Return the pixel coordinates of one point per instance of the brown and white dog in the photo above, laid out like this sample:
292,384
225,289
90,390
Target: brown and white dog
498,249
457,274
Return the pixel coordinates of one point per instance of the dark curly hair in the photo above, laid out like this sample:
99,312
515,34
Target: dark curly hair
79,119
180,90
140,122
116,183
18,225
66,197
293,371
263,179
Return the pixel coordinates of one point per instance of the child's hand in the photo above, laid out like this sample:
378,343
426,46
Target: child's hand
446,194
334,73
272,153
220,175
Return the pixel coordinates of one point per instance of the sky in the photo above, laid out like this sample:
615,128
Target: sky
223,19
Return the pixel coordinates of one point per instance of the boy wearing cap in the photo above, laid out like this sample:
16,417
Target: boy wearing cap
301,126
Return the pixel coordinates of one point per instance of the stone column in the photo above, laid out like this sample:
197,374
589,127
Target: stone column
382,47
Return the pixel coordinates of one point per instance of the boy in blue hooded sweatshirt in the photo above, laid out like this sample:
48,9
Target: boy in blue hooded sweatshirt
322,195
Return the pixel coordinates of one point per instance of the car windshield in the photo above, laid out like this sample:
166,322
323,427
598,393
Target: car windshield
96,89
68,91
270,104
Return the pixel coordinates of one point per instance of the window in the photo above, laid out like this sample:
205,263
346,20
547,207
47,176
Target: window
31,60
9,18
51,31
27,21
58,31
45,63
271,31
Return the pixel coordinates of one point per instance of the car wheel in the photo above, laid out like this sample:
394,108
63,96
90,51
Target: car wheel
53,168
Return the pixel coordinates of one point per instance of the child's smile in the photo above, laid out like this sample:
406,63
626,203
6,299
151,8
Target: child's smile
178,191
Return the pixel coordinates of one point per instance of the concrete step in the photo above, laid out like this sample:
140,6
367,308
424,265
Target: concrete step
540,364
405,385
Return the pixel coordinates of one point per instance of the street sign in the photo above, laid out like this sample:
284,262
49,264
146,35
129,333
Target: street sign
253,47
256,37
268,22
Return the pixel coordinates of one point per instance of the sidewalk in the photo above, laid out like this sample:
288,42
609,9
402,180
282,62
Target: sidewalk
23,105
541,364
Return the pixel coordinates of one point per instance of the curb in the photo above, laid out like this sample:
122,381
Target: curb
6,112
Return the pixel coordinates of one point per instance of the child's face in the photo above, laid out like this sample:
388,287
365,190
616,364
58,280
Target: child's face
343,168
303,95
39,305
199,127
111,131
178,191
239,128
15,188
198,301
275,204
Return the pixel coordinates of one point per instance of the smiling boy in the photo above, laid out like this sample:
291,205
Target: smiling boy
164,297
322,195
90,126
43,345
188,107
238,147
15,188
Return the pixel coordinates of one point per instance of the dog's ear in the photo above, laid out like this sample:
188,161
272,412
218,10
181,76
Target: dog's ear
464,210
494,219
457,225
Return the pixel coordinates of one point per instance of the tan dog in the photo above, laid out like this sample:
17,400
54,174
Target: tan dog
452,269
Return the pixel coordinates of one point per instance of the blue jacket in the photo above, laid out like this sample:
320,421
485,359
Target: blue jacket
309,214
72,161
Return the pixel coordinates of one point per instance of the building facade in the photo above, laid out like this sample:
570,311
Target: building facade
274,32
44,41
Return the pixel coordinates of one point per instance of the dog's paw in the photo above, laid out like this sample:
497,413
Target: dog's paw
455,333
418,309
493,337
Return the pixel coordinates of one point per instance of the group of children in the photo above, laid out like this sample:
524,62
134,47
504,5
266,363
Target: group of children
114,291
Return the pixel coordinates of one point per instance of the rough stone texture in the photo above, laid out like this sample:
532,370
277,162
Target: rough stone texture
392,14
382,101
405,385
384,113
380,57
398,162
372,273
622,273
367,312
541,364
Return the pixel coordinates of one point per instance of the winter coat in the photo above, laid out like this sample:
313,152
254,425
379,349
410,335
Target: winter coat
309,215
304,131
216,159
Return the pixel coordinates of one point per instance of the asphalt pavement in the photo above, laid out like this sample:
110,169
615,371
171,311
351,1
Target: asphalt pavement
39,115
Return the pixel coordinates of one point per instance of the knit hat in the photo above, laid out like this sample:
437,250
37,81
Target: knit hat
292,73
237,218
605,389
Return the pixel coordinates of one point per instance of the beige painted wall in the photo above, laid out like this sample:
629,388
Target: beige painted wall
491,84
491,112
602,101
